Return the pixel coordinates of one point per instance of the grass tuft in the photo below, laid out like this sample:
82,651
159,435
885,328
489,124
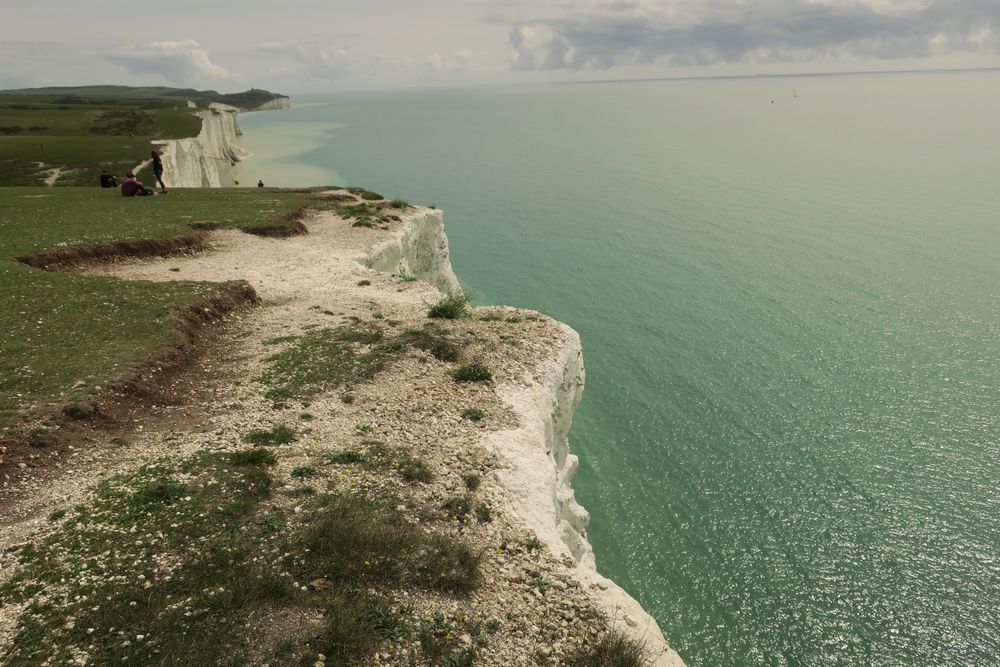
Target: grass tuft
472,481
474,415
434,339
279,435
613,649
305,472
415,470
257,456
349,456
451,307
474,372
457,506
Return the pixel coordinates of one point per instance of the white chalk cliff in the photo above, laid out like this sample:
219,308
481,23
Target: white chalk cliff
205,161
273,105
538,465
419,249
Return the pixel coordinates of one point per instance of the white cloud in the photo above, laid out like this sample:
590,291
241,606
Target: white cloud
601,35
181,63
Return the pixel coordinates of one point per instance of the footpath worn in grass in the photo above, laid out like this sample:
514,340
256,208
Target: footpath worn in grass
61,329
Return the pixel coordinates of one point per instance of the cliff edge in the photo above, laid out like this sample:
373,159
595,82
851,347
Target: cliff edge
452,431
205,161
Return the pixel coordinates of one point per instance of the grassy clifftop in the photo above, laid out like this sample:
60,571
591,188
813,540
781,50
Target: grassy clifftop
66,136
66,333
144,96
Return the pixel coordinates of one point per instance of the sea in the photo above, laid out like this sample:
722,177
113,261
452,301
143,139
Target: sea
788,293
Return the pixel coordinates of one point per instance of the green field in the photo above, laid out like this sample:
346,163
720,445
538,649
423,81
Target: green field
81,142
140,96
81,131
61,328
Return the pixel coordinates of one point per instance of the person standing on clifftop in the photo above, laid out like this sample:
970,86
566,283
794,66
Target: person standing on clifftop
158,169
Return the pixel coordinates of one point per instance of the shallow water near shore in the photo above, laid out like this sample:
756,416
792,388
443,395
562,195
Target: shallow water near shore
790,311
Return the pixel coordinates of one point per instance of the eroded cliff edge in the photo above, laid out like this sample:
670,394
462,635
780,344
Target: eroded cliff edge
538,466
539,590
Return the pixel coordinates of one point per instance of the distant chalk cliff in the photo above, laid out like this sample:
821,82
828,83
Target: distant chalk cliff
207,161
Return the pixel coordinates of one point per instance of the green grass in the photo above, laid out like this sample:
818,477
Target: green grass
86,129
434,339
325,359
279,435
305,472
451,307
257,456
484,512
232,557
83,141
474,415
128,97
384,549
111,582
415,470
474,372
341,458
61,328
457,506
613,649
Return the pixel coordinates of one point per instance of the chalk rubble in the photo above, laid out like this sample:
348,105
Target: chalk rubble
539,465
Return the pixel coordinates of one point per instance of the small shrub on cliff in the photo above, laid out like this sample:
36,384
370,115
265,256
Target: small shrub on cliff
451,307
305,472
457,506
474,415
484,512
415,470
613,649
254,457
474,372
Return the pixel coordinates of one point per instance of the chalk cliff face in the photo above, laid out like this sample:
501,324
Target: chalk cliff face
205,160
538,465
419,249
277,103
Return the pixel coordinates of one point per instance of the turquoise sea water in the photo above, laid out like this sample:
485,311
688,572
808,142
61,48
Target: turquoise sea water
790,438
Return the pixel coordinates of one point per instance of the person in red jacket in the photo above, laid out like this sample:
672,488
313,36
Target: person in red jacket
133,188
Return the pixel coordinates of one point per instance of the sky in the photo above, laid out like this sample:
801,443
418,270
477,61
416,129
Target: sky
301,46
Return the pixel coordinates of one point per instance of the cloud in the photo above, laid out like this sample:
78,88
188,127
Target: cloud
180,63
342,62
604,35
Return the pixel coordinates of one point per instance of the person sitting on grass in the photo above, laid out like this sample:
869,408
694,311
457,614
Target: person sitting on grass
133,188
107,180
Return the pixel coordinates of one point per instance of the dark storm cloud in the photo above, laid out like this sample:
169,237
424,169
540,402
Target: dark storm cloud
623,33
